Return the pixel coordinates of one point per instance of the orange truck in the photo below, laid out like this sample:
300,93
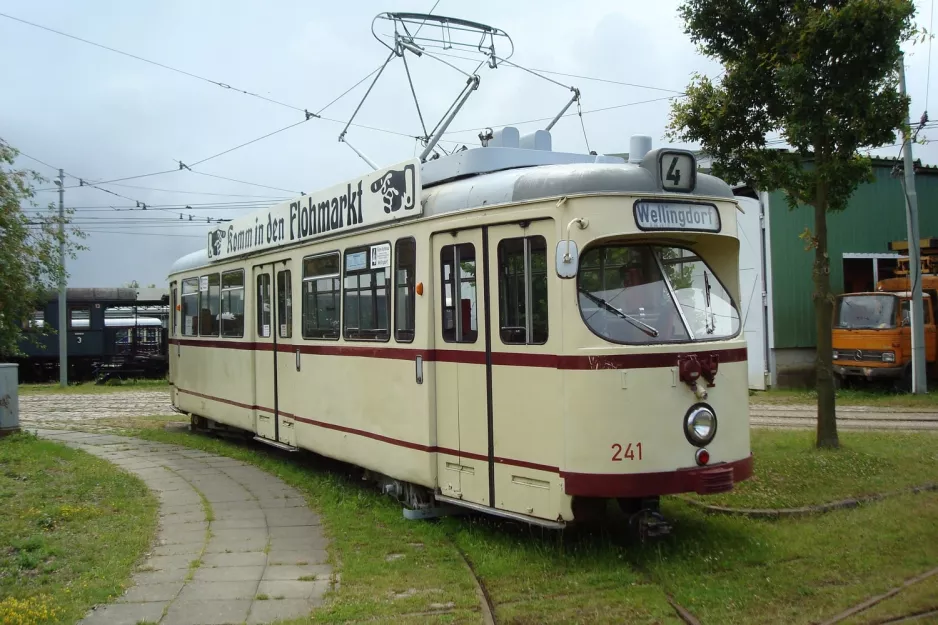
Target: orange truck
872,335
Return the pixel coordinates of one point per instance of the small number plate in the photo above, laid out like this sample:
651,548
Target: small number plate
677,172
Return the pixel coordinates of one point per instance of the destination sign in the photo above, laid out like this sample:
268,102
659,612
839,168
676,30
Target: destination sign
657,215
378,197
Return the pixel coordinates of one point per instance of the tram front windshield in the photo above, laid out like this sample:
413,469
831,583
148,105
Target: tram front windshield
640,294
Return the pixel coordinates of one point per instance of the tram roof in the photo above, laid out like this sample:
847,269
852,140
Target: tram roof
491,176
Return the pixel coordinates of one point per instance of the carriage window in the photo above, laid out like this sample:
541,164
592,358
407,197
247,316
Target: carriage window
522,290
652,294
285,304
405,269
367,298
190,306
263,305
232,303
209,313
321,306
79,318
35,321
458,271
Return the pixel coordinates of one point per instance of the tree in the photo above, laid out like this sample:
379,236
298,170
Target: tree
823,75
30,265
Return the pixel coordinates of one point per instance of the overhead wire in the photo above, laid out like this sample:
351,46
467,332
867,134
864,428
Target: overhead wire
556,73
217,83
220,84
544,119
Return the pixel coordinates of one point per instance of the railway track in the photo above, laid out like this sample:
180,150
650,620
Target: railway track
801,416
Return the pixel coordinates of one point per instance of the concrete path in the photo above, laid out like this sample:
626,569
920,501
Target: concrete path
234,545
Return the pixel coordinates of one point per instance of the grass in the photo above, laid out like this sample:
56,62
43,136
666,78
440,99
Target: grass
92,388
364,528
71,528
873,396
723,569
923,597
789,472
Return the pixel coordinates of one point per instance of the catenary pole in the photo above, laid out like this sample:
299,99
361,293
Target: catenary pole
63,322
915,266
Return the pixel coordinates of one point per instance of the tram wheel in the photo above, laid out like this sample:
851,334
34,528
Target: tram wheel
588,509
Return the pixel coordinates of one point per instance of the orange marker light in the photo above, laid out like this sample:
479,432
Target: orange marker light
178,307
419,288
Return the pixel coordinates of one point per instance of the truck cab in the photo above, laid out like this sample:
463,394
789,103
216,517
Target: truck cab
872,335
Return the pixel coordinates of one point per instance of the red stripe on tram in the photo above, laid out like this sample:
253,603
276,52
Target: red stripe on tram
475,357
378,437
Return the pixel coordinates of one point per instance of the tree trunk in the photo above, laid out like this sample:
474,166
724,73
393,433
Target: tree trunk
823,312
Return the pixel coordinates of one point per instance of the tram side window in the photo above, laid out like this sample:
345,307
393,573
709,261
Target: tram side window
263,305
367,301
190,307
209,313
79,318
285,303
232,304
405,269
321,304
522,290
173,319
458,272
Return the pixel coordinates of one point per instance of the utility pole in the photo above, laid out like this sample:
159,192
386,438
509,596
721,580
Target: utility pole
63,322
915,265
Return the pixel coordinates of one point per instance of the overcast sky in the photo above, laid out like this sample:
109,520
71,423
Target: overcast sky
103,116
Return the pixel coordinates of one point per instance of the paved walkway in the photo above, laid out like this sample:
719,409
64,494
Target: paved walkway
234,545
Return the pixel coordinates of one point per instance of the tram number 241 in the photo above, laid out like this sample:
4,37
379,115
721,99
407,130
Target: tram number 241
630,452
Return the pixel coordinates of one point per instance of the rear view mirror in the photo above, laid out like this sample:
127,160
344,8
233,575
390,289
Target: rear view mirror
568,259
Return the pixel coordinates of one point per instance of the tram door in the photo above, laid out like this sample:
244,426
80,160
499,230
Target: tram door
524,300
287,361
462,409
265,388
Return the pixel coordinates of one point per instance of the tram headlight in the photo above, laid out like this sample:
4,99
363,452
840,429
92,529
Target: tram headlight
700,425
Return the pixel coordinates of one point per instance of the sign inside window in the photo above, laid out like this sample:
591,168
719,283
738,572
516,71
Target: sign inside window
379,197
381,256
653,215
203,283
355,261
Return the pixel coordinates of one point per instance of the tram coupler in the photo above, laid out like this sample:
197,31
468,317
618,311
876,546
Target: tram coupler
649,524
644,517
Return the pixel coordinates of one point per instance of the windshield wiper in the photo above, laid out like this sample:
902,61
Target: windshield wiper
641,325
711,320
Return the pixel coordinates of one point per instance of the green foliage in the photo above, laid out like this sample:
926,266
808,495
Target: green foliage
30,264
822,75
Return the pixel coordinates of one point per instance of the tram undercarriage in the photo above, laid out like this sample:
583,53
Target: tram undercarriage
643,514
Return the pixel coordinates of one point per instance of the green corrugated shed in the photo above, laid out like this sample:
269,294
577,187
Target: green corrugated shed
874,216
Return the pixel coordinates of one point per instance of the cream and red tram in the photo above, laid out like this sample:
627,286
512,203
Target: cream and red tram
523,332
